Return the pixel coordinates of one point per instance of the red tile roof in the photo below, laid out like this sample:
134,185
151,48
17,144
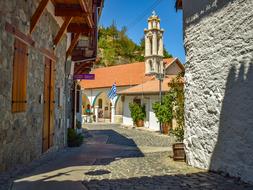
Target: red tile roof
122,75
149,87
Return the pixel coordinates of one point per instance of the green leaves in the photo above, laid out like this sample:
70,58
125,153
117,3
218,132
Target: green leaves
115,46
74,139
164,110
172,106
137,112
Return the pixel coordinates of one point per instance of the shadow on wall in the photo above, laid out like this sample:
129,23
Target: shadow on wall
233,152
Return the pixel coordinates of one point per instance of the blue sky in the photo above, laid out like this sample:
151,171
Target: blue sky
134,14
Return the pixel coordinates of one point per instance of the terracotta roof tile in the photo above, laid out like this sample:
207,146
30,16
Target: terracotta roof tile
149,87
122,75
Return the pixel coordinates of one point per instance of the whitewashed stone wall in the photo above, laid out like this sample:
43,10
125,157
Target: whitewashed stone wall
151,121
219,85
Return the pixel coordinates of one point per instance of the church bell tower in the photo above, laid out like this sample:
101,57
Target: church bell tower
153,46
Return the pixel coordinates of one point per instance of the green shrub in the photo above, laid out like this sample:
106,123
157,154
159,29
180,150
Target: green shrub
172,106
178,132
164,111
137,112
74,139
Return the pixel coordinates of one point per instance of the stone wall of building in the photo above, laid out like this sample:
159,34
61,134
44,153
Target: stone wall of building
21,133
219,85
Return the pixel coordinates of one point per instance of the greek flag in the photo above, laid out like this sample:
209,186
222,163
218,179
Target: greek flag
113,92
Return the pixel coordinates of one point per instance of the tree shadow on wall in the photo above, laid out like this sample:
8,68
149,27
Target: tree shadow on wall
233,152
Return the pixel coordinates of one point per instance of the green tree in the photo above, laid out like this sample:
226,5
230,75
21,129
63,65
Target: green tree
114,44
172,106
166,54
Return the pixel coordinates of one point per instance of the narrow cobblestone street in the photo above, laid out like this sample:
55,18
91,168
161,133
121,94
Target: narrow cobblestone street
117,158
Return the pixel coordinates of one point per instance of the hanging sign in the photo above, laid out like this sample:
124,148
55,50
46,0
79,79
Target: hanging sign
84,77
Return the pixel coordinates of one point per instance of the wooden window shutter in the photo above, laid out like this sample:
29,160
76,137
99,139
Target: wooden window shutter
19,76
52,101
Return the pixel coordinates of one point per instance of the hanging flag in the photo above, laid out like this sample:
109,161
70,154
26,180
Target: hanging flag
113,92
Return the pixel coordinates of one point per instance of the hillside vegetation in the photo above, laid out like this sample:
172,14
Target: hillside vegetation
115,47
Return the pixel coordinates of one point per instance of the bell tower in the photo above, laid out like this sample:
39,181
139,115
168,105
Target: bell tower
153,46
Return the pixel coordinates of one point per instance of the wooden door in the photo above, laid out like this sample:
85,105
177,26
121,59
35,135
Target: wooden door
48,124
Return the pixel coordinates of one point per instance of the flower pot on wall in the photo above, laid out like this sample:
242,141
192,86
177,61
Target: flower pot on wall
166,128
140,123
178,152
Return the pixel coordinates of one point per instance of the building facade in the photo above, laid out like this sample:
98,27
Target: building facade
135,82
132,85
35,44
30,75
218,91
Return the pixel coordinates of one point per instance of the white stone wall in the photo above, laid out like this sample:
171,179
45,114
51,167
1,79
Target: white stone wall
127,120
173,69
151,120
219,85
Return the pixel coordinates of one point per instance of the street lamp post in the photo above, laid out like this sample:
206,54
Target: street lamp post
160,77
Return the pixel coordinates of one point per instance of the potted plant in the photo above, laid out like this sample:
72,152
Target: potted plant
178,147
178,114
164,112
74,139
138,114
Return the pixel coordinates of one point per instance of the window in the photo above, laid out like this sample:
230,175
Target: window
151,66
137,101
151,46
158,67
20,62
100,103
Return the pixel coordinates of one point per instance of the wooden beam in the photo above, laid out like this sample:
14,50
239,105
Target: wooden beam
62,30
79,57
82,68
29,41
71,10
18,34
36,16
48,53
73,44
84,7
82,28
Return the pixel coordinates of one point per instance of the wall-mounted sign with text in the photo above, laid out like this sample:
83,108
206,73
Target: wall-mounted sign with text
84,77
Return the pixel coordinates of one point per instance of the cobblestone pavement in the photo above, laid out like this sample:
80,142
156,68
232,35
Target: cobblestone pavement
116,158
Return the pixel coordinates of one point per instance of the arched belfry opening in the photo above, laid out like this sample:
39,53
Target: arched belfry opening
153,45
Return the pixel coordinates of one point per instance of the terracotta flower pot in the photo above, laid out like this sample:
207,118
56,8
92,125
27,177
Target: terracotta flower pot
166,128
178,152
140,123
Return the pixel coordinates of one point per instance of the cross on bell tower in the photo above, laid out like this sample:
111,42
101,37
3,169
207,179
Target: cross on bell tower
153,46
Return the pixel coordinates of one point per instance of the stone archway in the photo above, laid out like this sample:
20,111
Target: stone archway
86,105
102,105
119,109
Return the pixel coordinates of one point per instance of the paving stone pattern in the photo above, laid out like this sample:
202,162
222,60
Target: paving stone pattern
154,171
102,164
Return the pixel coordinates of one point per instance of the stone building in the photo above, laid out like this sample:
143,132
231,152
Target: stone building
135,83
36,39
219,85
